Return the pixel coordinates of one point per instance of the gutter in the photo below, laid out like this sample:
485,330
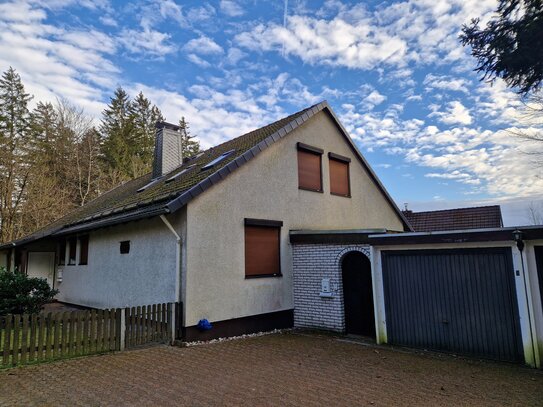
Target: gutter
179,243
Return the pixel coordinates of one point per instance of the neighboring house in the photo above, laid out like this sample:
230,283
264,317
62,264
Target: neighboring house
212,231
479,217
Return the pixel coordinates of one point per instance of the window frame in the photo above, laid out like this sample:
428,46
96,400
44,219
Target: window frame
61,260
262,223
310,150
344,160
81,239
72,242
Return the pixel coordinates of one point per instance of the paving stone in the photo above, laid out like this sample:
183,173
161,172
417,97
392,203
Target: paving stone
289,369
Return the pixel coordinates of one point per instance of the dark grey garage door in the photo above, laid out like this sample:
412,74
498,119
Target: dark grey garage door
461,301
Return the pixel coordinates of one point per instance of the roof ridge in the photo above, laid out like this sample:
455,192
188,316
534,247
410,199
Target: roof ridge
452,209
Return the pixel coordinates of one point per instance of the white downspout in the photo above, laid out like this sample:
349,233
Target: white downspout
179,242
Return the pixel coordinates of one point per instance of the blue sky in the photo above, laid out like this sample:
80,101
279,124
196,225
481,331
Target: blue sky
394,72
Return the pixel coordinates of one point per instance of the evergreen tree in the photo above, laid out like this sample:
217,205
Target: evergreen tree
191,146
14,125
511,45
116,129
43,127
145,116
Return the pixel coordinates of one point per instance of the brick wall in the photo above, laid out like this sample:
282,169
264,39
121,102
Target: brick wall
311,264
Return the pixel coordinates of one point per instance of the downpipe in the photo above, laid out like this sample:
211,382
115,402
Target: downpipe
179,243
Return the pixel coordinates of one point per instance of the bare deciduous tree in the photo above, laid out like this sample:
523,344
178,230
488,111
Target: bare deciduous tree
535,213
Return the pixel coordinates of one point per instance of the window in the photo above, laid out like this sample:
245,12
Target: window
173,178
262,253
339,175
72,250
62,252
217,160
309,167
83,250
125,247
150,184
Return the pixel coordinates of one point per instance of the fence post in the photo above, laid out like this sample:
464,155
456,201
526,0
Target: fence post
121,328
171,320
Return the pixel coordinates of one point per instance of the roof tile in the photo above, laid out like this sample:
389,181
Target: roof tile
456,219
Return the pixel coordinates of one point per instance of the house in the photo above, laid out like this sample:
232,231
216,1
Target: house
479,217
212,231
288,226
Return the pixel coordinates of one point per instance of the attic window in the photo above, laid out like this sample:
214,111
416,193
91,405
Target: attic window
150,184
217,160
179,174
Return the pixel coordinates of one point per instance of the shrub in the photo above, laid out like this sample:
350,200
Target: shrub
20,294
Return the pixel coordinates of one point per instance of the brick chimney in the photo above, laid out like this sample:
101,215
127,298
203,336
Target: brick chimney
168,149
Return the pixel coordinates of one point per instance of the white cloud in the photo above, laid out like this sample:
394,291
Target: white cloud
204,46
201,13
91,40
334,42
489,162
147,42
108,20
419,31
444,82
375,98
195,59
234,55
231,8
21,12
56,62
456,113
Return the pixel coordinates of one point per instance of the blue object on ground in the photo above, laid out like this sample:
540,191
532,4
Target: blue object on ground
204,325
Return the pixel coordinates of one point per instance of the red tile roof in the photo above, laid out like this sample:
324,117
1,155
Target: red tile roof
456,219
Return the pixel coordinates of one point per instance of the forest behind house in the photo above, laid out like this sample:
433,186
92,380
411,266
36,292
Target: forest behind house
54,157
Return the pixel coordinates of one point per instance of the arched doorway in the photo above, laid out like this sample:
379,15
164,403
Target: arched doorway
358,294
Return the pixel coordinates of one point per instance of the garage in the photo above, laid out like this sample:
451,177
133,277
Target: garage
455,300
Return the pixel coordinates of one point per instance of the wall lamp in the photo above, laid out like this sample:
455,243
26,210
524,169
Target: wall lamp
517,237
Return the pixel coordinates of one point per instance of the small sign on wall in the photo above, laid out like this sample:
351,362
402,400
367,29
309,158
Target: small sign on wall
326,288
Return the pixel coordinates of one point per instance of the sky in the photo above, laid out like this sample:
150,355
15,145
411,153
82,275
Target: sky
394,72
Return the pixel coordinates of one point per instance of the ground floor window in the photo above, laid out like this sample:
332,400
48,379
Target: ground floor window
262,248
72,251
83,249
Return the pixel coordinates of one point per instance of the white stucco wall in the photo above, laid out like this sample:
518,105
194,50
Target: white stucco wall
267,188
146,275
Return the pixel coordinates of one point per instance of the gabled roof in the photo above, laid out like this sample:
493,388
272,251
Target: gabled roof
124,203
479,217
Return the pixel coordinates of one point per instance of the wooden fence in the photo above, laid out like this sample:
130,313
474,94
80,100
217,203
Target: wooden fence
36,338
148,324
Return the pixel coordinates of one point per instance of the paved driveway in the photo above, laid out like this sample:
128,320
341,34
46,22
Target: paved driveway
281,369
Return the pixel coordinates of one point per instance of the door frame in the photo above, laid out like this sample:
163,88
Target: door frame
344,254
53,266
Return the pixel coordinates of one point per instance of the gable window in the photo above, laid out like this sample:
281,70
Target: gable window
339,175
262,248
83,250
309,167
125,247
62,253
72,250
